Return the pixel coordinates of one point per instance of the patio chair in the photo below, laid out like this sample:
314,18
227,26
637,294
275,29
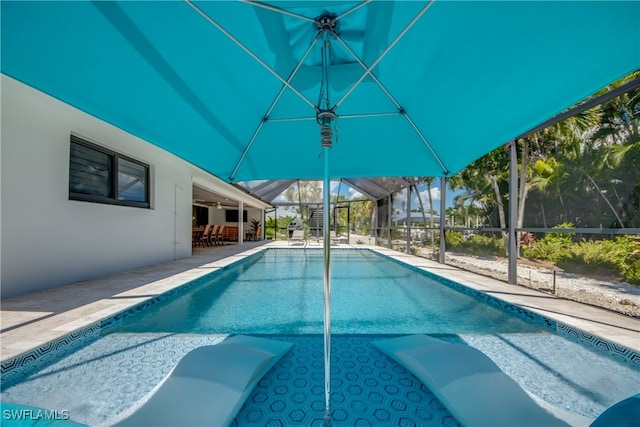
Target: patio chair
210,384
196,237
220,235
259,233
471,385
205,237
213,236
335,240
297,236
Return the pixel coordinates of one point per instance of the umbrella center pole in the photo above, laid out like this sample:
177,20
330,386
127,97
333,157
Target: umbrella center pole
327,287
326,137
324,117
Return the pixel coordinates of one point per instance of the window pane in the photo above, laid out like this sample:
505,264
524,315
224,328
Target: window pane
89,171
132,181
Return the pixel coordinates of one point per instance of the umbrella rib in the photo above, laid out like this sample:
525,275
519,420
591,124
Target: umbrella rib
363,65
278,10
273,104
248,51
384,53
293,119
368,115
401,110
445,171
353,9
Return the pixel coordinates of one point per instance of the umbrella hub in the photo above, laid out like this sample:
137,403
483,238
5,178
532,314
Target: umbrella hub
326,23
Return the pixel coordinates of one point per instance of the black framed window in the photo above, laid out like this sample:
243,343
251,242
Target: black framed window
99,175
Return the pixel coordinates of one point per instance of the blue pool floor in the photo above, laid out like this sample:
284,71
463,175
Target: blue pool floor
367,389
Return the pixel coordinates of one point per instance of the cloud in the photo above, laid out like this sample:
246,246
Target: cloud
424,195
400,200
281,199
355,194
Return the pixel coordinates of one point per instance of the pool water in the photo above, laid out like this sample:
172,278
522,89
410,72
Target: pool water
279,293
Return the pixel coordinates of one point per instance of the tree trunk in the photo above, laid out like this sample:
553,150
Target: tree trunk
501,213
374,226
424,218
607,201
523,188
563,210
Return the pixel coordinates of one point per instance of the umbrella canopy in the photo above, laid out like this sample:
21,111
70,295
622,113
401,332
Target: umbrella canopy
413,88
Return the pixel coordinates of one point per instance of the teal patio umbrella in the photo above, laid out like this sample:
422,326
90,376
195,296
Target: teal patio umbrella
253,90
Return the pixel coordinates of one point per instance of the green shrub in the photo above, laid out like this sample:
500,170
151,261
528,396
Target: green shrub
561,238
397,234
631,272
552,246
477,244
631,263
480,244
613,257
599,257
548,251
453,239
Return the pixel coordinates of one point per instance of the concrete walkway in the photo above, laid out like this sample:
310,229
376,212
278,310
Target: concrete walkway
31,320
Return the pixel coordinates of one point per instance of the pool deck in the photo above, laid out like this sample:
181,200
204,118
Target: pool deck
32,320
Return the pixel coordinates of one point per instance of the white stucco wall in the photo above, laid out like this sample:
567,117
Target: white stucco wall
48,240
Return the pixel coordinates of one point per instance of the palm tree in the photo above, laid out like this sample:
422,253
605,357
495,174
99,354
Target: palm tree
537,170
414,181
304,192
429,182
618,140
548,174
484,182
363,215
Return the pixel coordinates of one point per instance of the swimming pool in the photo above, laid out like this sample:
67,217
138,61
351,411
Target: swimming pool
279,292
